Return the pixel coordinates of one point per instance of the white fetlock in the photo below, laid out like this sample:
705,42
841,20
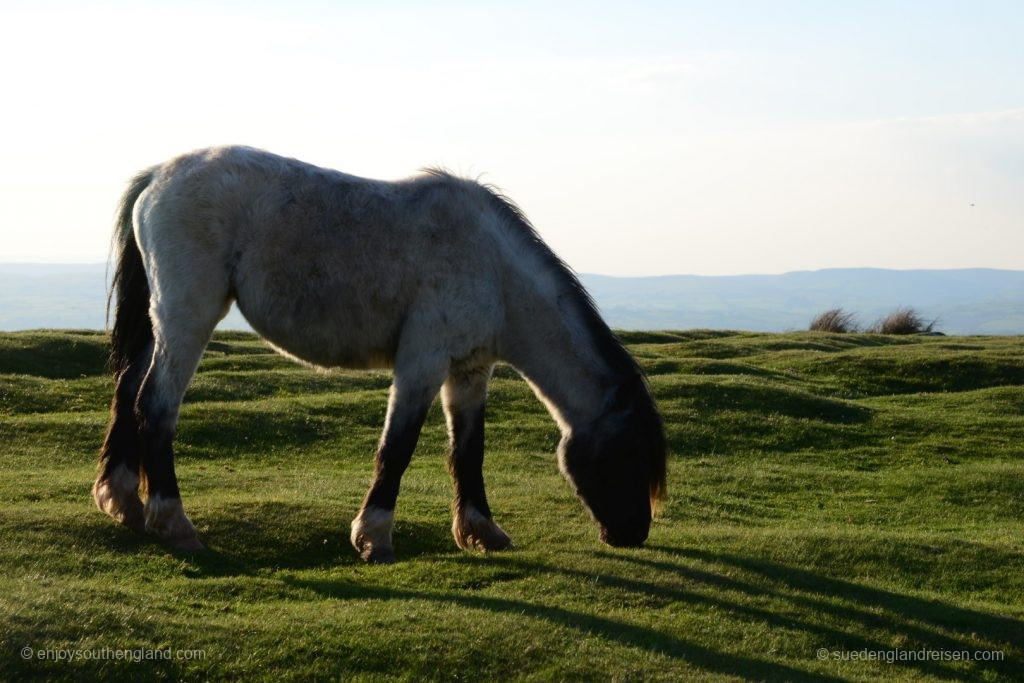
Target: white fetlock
473,531
371,534
166,518
117,494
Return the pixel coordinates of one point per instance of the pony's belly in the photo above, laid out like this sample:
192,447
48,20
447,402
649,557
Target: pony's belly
331,340
355,359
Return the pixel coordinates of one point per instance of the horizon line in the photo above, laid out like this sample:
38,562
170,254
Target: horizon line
24,264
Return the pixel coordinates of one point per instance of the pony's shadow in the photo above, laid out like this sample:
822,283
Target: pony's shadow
925,624
247,538
271,536
886,607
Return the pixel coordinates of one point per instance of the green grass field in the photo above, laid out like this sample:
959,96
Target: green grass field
848,492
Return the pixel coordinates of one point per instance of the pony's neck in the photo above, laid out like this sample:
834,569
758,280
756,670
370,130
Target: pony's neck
560,356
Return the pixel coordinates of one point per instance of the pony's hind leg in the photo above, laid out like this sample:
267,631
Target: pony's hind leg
116,490
182,327
463,397
416,383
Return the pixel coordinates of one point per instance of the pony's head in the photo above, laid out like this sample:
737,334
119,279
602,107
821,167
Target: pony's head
617,464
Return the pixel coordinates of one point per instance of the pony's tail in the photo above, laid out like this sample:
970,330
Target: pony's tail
129,289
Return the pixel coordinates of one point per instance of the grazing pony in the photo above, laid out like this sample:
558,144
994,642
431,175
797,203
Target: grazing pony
435,276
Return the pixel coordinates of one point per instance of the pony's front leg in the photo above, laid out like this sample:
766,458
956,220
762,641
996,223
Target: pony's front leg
413,390
463,397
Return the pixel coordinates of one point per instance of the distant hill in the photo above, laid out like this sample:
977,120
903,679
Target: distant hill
966,301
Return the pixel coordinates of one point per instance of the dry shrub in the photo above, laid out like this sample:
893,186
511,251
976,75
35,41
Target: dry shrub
903,321
834,320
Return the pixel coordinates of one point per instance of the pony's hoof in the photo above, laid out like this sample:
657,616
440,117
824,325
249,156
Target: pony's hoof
166,519
371,535
117,494
473,531
375,553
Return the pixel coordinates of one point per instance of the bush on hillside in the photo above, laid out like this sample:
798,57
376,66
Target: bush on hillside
903,321
834,320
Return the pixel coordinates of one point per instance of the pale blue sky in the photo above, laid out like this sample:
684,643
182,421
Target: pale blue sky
642,138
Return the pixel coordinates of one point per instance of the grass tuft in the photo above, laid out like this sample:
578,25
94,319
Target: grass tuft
903,321
834,320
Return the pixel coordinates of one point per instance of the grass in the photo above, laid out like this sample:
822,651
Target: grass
842,491
834,320
903,321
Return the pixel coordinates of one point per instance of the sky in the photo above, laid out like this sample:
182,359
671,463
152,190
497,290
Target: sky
641,138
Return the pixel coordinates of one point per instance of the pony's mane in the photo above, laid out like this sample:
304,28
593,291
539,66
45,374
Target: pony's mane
622,364
608,345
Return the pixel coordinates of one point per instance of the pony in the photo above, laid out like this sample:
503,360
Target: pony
435,276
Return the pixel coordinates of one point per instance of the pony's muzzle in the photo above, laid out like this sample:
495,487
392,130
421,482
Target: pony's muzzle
622,538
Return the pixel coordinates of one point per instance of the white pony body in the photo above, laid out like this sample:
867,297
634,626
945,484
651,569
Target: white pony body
435,276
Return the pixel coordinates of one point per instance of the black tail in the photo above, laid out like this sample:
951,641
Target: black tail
129,289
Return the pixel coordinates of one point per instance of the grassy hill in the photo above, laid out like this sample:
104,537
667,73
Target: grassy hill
847,492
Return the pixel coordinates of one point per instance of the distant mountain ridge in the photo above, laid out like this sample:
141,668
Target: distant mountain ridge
965,301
